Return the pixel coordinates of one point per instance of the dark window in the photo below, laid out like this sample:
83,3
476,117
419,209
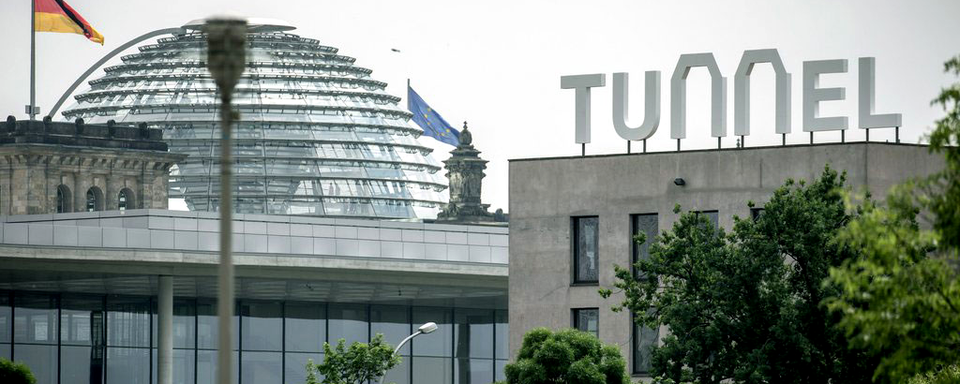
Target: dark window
712,216
648,225
124,199
306,327
755,213
63,199
261,328
586,232
348,322
644,339
587,320
94,199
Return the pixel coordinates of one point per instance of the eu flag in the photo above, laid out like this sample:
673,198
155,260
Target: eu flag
432,123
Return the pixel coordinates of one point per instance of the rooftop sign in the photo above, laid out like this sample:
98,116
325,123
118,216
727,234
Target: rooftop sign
813,95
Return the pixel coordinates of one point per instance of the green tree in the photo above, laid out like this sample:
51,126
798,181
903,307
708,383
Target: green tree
566,356
15,373
362,363
744,306
901,299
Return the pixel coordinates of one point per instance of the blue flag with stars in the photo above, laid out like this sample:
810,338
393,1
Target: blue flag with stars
432,123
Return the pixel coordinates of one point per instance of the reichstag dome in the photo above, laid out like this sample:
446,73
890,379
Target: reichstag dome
318,135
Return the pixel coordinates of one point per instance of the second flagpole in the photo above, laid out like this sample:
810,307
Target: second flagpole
33,60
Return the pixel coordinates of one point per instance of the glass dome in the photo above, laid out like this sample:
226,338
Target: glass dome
317,135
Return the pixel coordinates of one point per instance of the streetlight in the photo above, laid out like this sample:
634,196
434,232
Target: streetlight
424,329
226,60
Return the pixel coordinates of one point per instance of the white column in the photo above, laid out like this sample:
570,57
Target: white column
165,331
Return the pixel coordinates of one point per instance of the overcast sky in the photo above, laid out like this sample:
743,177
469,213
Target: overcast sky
497,64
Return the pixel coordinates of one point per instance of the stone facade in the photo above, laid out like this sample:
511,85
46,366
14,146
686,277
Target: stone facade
465,174
48,167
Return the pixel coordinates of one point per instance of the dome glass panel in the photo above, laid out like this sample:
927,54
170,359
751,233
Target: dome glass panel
317,135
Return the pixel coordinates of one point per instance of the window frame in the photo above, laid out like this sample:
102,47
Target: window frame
576,280
574,319
634,247
634,344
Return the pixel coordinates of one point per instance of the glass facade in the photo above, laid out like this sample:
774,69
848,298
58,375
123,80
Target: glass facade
109,339
317,136
586,234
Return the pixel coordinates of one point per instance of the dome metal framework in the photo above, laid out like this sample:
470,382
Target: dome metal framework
317,135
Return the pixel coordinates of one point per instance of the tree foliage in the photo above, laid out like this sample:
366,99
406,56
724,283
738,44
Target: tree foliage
903,295
15,373
744,306
362,363
567,356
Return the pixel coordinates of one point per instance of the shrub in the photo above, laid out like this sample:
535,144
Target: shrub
15,373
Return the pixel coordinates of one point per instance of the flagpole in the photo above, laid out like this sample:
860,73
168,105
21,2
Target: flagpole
33,59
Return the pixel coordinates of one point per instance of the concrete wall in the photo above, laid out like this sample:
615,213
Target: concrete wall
545,193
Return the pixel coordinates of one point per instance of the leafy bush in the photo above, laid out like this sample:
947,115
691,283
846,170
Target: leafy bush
567,356
15,373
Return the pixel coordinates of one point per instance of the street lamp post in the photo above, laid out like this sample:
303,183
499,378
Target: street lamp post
424,329
226,60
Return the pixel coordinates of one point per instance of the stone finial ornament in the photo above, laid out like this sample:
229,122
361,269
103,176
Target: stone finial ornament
465,173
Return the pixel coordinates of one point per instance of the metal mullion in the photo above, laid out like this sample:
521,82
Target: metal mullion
453,344
196,341
105,325
239,311
410,330
494,343
59,335
150,341
13,321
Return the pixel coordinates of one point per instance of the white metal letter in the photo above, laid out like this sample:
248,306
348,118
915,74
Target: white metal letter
582,85
621,97
868,97
741,91
678,95
813,95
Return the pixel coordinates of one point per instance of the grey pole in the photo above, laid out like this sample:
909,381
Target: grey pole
165,330
33,60
226,41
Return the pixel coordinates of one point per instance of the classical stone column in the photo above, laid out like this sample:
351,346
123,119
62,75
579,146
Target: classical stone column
165,331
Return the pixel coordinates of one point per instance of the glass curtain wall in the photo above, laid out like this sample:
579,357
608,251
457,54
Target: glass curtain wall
97,339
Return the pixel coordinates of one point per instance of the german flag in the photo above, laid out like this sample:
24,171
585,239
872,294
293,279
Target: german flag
58,16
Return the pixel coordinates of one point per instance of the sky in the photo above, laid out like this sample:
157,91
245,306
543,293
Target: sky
497,64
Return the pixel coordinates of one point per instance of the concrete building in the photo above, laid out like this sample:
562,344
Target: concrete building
573,218
55,167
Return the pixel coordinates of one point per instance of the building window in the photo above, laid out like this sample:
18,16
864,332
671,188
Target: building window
648,225
64,198
94,199
587,320
713,216
585,243
125,199
644,339
755,213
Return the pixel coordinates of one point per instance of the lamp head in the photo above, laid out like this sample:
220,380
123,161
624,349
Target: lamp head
226,59
679,181
428,327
